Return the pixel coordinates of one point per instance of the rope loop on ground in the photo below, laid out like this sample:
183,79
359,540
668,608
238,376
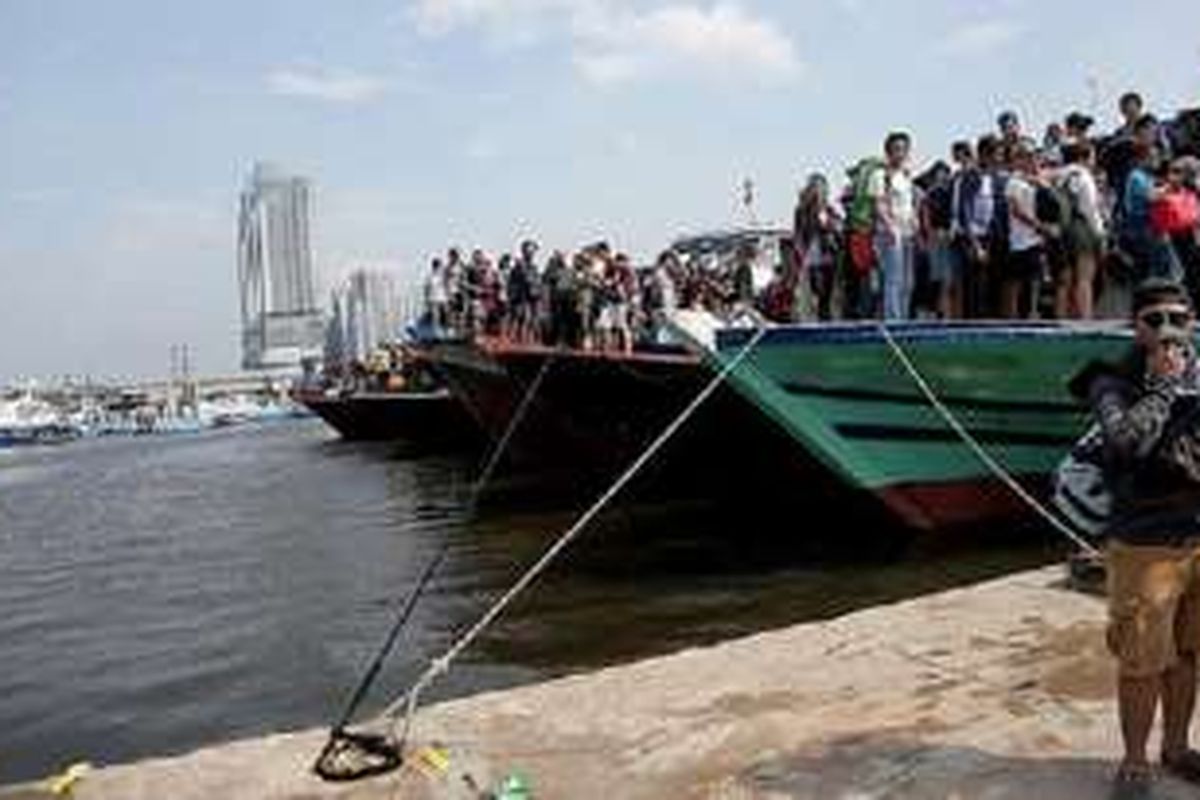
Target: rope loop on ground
348,755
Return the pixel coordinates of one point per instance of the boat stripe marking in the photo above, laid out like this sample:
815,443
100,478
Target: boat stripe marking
901,433
881,396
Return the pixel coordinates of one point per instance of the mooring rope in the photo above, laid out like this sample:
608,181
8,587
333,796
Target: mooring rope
485,474
408,702
991,463
338,733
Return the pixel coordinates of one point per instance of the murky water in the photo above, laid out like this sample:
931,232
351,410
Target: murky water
159,594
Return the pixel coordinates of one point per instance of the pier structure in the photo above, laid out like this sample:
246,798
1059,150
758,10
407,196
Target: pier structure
1001,690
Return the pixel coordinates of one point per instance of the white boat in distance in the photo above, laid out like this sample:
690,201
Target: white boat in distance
29,420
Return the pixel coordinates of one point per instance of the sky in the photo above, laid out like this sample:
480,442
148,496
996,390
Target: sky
128,127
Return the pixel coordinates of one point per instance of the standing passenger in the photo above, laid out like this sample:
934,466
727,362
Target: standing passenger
1184,228
815,226
743,294
1026,237
559,299
455,275
895,223
1150,249
1084,234
944,265
525,282
992,160
973,206
620,284
435,296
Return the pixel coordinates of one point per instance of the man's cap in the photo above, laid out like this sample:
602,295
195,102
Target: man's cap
1153,291
1079,121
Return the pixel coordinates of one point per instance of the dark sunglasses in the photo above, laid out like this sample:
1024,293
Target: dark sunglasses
1156,319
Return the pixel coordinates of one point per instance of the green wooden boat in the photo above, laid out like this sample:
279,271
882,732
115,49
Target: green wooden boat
843,396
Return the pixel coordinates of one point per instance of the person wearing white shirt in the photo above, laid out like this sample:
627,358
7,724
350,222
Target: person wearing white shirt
436,297
1025,234
891,190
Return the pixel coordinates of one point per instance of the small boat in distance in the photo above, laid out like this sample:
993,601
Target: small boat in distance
400,400
28,420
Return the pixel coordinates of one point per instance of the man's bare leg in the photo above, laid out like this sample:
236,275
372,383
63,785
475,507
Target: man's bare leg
1137,700
1178,701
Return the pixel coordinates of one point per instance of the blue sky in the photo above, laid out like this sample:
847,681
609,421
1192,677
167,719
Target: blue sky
127,128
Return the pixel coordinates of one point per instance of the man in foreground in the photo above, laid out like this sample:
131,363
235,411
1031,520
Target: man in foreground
1148,408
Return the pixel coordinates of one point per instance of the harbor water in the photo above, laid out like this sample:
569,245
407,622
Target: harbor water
161,593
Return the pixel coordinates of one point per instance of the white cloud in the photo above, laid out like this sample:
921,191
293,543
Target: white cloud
980,38
720,41
607,69
613,42
334,86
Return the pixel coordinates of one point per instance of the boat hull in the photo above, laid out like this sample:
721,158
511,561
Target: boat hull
591,412
844,397
20,436
426,419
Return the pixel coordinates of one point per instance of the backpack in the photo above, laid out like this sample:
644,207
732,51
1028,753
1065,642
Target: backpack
1078,232
860,215
1051,205
1080,489
939,201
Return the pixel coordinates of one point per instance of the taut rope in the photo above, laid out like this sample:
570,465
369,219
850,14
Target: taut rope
330,763
991,463
407,704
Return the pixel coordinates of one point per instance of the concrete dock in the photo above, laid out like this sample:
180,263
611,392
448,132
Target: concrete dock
1000,690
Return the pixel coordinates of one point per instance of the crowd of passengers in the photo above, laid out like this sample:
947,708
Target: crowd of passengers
1008,227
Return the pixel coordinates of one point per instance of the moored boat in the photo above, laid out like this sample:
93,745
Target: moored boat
843,397
591,414
28,420
392,396
592,411
430,418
